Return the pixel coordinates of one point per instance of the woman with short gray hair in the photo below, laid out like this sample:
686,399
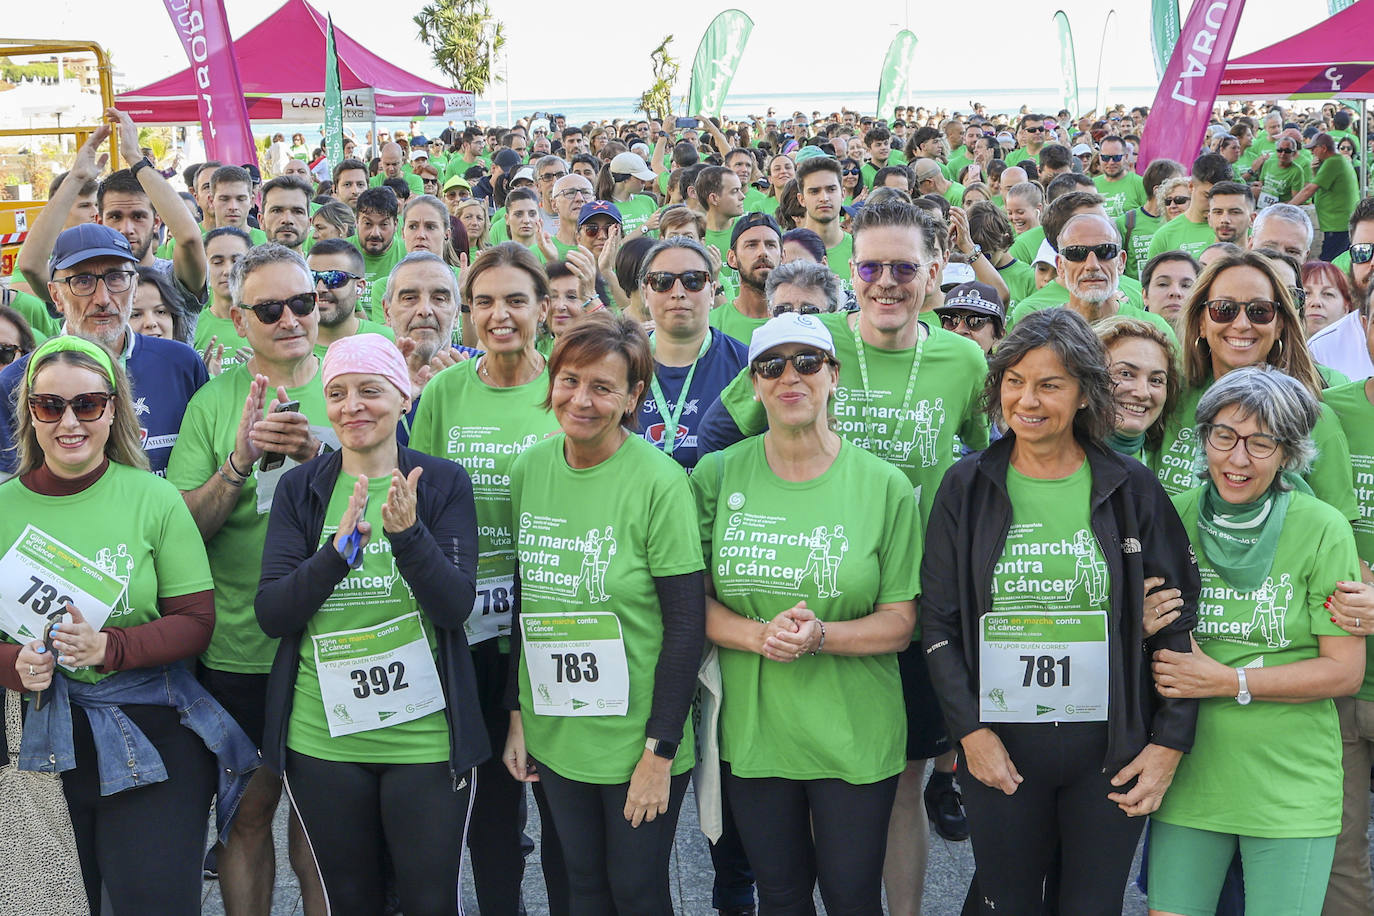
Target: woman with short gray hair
1263,777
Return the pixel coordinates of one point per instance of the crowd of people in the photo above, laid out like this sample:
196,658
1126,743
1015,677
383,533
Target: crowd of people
868,475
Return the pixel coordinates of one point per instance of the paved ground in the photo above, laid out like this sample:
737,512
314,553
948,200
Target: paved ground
947,876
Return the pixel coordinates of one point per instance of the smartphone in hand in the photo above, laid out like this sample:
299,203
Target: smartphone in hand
273,460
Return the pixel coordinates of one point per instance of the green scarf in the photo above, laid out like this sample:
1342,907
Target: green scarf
1239,540
1126,445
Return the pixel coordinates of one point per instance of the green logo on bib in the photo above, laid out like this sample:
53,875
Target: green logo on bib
578,704
384,714
1041,710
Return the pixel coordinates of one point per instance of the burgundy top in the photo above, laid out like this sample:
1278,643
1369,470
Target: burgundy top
182,631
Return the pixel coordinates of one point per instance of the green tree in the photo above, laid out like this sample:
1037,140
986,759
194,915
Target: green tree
463,38
657,100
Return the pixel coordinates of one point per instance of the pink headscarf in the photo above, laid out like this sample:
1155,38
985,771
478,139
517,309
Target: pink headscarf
367,354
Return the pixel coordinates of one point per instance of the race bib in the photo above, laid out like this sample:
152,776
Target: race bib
490,615
377,677
39,575
1265,200
576,664
1043,667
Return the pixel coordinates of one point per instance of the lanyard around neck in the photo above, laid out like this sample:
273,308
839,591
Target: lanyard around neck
670,417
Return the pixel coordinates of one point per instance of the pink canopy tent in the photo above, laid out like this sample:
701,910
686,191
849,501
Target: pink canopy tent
281,62
1332,59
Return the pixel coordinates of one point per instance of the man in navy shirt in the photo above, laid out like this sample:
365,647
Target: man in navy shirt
92,283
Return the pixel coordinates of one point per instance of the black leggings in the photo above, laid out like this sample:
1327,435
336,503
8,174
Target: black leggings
145,844
796,831
1060,807
497,844
612,867
350,809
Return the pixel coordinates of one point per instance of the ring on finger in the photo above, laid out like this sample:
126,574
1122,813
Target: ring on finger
31,671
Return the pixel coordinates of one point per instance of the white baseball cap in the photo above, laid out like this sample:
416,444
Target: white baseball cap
1046,255
790,327
1082,149
632,164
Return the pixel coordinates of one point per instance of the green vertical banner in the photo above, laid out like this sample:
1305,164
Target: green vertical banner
333,101
718,57
895,80
1164,26
1104,88
1068,65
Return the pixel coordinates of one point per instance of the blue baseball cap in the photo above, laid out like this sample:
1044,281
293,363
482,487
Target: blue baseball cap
86,241
599,208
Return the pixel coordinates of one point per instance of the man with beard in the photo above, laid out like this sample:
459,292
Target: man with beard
1230,211
421,306
1121,188
1031,136
377,237
337,267
350,181
1190,231
92,283
286,210
818,189
722,199
393,166
755,249
134,202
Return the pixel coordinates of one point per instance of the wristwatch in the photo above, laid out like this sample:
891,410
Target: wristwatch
665,749
1243,696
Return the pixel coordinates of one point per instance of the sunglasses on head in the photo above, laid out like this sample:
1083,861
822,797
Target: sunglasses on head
50,408
694,281
872,271
799,309
1362,253
1257,311
10,352
808,362
270,312
1178,201
333,279
1079,253
974,323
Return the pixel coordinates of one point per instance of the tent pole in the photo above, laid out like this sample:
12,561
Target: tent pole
1364,147
376,149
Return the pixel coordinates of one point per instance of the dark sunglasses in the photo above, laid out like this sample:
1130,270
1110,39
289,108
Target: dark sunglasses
1117,158
850,171
9,352
50,408
806,363
1178,201
1035,130
332,279
1079,253
872,271
694,281
1362,253
1257,311
973,322
800,310
597,231
269,312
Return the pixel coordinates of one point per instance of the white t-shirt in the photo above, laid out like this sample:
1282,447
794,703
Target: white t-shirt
1343,346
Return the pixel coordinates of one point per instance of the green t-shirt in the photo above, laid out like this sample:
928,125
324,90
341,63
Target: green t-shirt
370,595
35,312
943,403
1017,155
207,438
837,258
635,212
132,525
1027,245
1267,769
842,542
1125,193
484,429
1338,191
1051,560
236,349
1279,184
1136,234
417,186
869,170
959,160
719,239
1184,234
1342,261
1356,415
364,327
755,201
588,542
735,323
954,194
1020,279
1054,294
376,269
1179,462
168,248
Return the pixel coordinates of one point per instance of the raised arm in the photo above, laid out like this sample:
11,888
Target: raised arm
47,226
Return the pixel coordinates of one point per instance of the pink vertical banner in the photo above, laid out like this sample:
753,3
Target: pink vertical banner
1188,90
203,28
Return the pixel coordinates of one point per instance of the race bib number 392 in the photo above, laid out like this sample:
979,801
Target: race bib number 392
1043,667
576,664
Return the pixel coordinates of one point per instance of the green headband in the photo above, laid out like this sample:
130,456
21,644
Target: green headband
76,345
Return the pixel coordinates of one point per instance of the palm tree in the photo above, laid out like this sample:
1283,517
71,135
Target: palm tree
463,39
657,100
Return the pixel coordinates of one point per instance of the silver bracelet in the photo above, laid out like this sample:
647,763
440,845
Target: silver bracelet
820,645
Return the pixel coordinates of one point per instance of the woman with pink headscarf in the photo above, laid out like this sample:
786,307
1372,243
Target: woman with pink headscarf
368,573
